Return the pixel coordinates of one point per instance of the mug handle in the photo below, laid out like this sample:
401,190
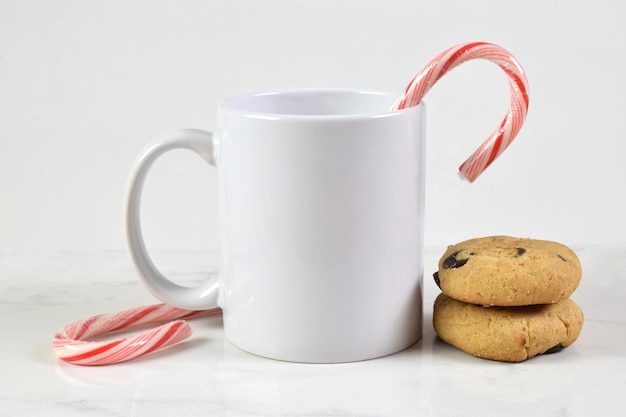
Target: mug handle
203,296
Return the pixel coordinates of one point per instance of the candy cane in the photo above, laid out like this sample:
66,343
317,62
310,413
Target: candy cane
502,137
69,343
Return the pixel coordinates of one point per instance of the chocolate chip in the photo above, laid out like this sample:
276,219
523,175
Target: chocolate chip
452,262
436,277
562,258
520,252
555,349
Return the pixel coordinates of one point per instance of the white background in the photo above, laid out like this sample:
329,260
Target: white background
84,85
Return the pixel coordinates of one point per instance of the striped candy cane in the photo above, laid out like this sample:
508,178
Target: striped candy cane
69,343
502,137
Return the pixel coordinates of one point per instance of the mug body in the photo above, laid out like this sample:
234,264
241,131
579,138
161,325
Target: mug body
321,217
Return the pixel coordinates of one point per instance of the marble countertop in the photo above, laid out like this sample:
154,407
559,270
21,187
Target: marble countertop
206,375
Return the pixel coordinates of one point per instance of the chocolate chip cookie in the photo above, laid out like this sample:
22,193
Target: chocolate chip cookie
508,271
510,334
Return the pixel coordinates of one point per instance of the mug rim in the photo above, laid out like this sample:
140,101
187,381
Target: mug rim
233,104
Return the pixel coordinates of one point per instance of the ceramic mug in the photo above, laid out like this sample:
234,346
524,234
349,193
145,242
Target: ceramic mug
321,197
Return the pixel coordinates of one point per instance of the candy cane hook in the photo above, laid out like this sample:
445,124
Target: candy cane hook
502,137
69,343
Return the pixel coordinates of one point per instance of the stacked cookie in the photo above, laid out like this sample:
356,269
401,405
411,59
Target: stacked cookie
506,298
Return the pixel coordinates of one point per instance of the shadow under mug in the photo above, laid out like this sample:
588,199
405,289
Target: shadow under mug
321,196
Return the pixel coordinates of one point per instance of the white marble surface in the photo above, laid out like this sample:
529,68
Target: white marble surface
41,292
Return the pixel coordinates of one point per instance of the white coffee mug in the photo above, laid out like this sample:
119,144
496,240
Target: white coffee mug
321,198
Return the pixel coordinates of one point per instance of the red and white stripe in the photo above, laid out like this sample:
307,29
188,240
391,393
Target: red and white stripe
502,137
70,344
